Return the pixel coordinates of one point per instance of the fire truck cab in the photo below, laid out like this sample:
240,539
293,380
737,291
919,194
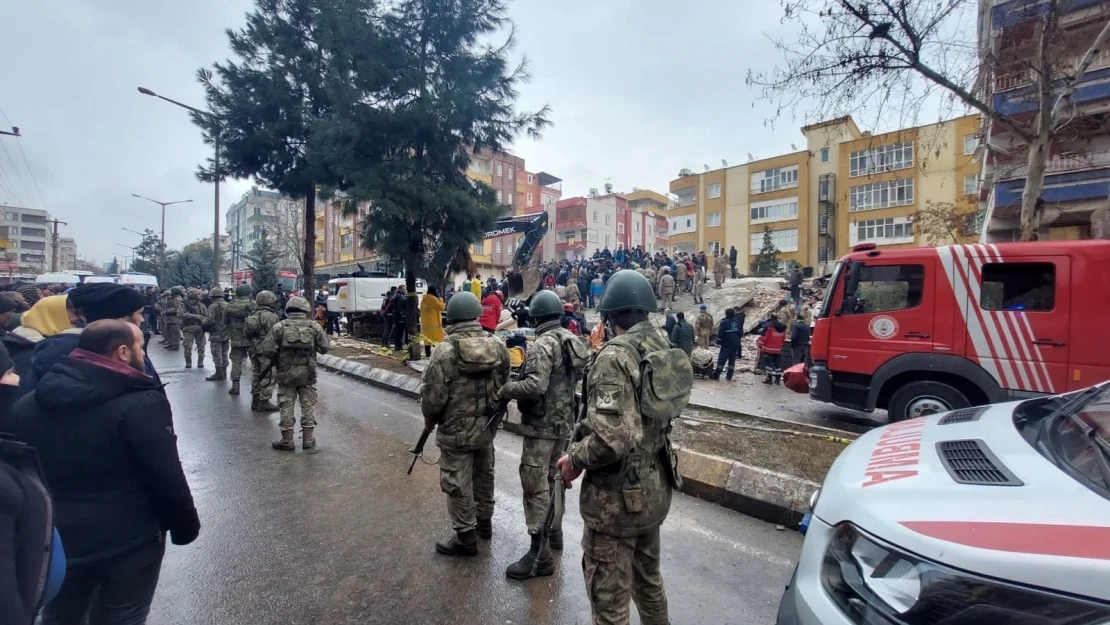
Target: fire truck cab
927,330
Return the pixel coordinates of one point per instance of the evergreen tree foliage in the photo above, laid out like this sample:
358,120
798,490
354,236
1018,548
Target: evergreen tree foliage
148,254
113,269
189,269
767,262
264,263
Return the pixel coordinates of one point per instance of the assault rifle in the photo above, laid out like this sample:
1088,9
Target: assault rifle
418,451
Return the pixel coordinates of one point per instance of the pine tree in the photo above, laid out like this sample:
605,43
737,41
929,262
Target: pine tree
113,269
148,254
264,263
767,262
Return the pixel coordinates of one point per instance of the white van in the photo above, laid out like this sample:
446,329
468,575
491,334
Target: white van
138,281
71,279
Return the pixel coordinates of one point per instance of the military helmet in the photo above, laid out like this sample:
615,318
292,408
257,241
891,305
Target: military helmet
464,306
627,290
192,293
215,292
177,290
295,303
265,298
166,293
243,290
545,303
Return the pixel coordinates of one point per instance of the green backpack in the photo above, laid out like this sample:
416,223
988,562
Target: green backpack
298,337
666,380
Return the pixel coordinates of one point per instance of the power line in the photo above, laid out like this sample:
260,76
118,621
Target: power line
26,163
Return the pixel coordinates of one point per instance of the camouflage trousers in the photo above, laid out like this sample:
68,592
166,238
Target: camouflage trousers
703,340
173,334
619,568
466,477
287,403
238,355
718,278
219,353
189,337
262,386
666,295
537,479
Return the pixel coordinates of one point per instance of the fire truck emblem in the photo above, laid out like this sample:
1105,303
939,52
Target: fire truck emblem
883,327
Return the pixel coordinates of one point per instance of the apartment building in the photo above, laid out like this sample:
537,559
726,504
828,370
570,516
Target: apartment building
501,171
67,254
845,188
206,243
648,220
28,238
540,191
257,210
1078,167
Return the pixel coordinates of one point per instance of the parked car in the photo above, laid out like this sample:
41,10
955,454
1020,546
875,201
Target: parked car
990,514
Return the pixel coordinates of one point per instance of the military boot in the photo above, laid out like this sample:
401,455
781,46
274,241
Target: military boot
265,405
555,539
485,529
536,563
308,441
461,544
254,402
286,443
200,363
218,376
234,390
188,364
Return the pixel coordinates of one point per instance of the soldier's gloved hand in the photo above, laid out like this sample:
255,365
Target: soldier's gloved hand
567,470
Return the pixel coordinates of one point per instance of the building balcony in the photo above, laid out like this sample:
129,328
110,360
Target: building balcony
1095,87
1059,188
1062,163
686,200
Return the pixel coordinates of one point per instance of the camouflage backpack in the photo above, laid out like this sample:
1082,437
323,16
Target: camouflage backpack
298,337
477,358
666,380
253,329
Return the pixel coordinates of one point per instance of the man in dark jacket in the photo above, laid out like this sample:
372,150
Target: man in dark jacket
728,337
104,434
799,341
86,304
732,260
682,335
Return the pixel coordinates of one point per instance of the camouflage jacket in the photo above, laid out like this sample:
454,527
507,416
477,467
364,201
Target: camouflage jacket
462,386
258,327
544,390
194,315
616,436
216,323
704,323
237,312
666,283
292,345
173,309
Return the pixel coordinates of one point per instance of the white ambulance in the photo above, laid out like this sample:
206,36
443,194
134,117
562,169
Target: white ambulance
991,514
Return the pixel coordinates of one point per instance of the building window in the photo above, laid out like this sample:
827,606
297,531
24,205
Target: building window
607,240
714,248
591,235
511,170
636,227
885,288
713,191
774,210
881,195
620,228
1019,286
824,155
499,169
530,178
608,218
783,240
775,179
13,230
497,244
346,241
597,216
882,231
478,248
970,143
971,184
499,196
11,216
529,199
714,220
883,158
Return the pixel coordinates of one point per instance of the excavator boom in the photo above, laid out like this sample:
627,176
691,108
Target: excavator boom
523,281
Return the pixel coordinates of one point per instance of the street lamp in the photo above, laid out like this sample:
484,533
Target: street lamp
162,261
142,234
216,179
132,256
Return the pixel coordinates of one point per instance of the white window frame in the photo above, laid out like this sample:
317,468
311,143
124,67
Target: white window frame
971,142
774,179
591,235
608,220
710,222
531,178
882,231
620,228
889,157
510,172
497,247
973,187
606,239
713,191
769,211
824,155
713,247
529,199
499,172
499,196
785,240
883,194
637,226
597,217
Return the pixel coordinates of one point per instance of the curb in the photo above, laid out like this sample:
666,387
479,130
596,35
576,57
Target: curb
754,491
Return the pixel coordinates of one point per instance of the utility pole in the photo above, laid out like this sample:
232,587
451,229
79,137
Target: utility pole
54,244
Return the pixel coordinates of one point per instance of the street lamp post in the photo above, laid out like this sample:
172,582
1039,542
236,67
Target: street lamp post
215,176
162,256
130,258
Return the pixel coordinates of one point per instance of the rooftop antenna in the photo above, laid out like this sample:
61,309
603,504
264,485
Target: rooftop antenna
750,157
793,147
724,163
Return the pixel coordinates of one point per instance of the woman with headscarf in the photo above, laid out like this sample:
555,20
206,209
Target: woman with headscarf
46,318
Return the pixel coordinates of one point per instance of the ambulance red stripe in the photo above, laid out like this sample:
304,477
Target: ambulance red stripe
1073,541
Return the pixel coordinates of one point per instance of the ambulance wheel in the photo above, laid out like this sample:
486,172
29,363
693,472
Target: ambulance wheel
921,399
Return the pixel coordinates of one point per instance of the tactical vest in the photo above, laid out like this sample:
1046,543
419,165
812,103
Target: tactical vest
193,308
541,414
474,394
666,380
297,345
256,328
236,315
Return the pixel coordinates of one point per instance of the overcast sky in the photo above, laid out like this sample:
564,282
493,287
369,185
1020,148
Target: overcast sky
638,88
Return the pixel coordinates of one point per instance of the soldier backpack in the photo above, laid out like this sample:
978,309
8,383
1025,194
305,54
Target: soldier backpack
296,336
666,380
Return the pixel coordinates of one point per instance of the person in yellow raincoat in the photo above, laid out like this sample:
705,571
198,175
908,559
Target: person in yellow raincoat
431,319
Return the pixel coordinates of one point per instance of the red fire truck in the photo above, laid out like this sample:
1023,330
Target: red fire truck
927,330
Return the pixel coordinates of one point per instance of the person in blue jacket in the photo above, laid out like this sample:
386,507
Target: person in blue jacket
728,336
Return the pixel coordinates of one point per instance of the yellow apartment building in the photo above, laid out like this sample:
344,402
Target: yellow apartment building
846,187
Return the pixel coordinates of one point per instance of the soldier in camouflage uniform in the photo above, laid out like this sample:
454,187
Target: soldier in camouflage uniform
159,309
216,325
173,310
666,287
703,327
192,327
292,346
636,384
258,327
544,391
462,385
237,312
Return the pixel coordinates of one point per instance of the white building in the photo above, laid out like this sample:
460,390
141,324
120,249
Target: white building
256,210
29,235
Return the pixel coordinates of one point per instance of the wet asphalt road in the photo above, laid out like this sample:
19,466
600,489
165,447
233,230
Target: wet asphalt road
341,535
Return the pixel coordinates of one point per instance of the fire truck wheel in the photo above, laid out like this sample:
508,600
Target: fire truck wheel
920,399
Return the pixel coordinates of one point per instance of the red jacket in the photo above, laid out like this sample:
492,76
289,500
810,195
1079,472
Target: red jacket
491,312
772,340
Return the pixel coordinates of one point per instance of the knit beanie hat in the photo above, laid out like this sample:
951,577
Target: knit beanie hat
105,300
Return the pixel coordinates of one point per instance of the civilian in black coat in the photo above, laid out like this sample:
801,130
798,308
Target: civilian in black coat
104,433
